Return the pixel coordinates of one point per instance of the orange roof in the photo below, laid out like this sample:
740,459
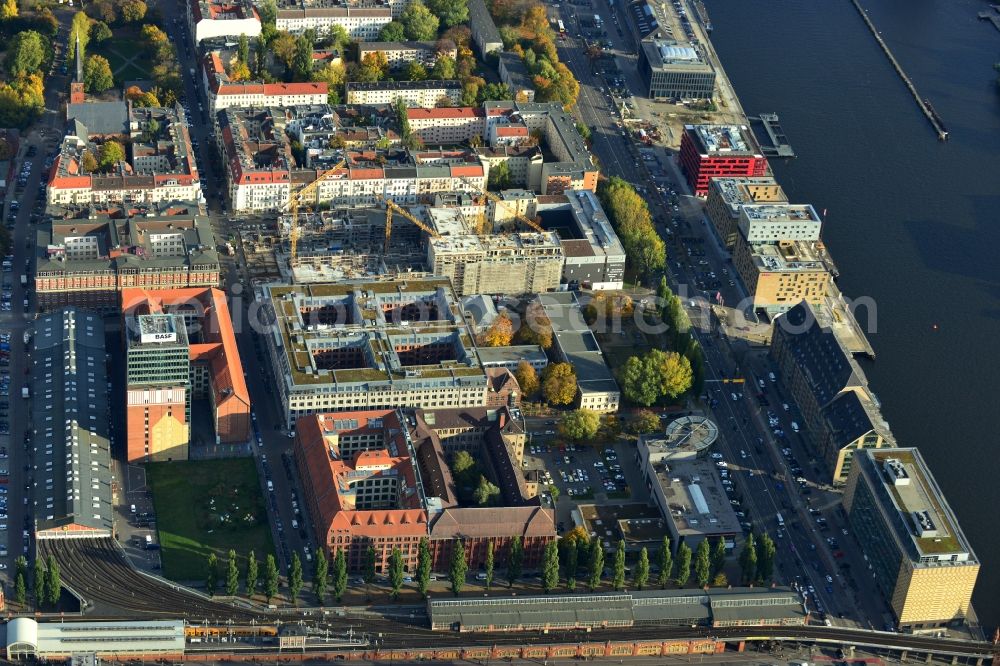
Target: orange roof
445,112
218,346
313,88
325,475
512,130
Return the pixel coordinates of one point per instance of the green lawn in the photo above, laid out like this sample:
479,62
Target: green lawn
120,51
204,506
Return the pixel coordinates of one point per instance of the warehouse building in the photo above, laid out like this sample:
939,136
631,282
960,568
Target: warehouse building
69,416
688,608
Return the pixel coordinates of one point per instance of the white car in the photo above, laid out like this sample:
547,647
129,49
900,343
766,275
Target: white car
717,456
721,463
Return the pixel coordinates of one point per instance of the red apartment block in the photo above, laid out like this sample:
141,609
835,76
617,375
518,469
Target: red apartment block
719,151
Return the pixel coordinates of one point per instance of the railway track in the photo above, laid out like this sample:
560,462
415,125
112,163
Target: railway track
97,570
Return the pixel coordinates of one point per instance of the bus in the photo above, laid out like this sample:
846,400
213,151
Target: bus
562,29
781,521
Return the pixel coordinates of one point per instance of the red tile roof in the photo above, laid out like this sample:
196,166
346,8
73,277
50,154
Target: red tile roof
445,112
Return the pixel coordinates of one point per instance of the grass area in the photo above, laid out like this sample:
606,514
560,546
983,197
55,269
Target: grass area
204,506
119,51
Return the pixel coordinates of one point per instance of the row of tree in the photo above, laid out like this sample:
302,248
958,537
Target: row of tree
526,32
574,557
757,559
645,251
47,582
679,329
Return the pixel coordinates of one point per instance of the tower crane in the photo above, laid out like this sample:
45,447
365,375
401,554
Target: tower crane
392,207
295,201
500,202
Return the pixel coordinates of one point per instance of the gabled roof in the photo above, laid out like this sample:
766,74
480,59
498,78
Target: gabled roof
485,522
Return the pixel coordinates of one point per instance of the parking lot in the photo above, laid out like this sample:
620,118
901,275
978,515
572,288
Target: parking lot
582,472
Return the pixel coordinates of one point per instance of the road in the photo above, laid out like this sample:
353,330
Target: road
44,137
761,475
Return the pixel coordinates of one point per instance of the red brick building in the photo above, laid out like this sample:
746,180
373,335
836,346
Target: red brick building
364,489
180,345
719,151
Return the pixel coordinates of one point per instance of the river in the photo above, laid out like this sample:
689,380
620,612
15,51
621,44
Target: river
912,222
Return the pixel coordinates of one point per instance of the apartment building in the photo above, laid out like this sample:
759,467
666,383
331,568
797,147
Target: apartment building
516,263
779,274
719,151
839,410
355,127
921,561
258,160
224,93
261,177
424,94
485,35
727,195
400,54
447,125
515,74
85,255
405,177
571,167
772,222
396,342
179,347
159,163
212,19
362,23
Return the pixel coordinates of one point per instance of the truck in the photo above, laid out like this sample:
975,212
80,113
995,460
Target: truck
25,393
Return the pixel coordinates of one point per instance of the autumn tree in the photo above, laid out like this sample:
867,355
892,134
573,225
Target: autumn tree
536,328
415,71
629,213
580,424
527,378
393,31
26,53
645,421
79,31
499,334
8,10
450,12
88,163
133,11
109,154
283,48
97,75
419,24
559,383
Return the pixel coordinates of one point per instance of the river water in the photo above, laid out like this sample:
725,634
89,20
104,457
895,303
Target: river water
912,222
